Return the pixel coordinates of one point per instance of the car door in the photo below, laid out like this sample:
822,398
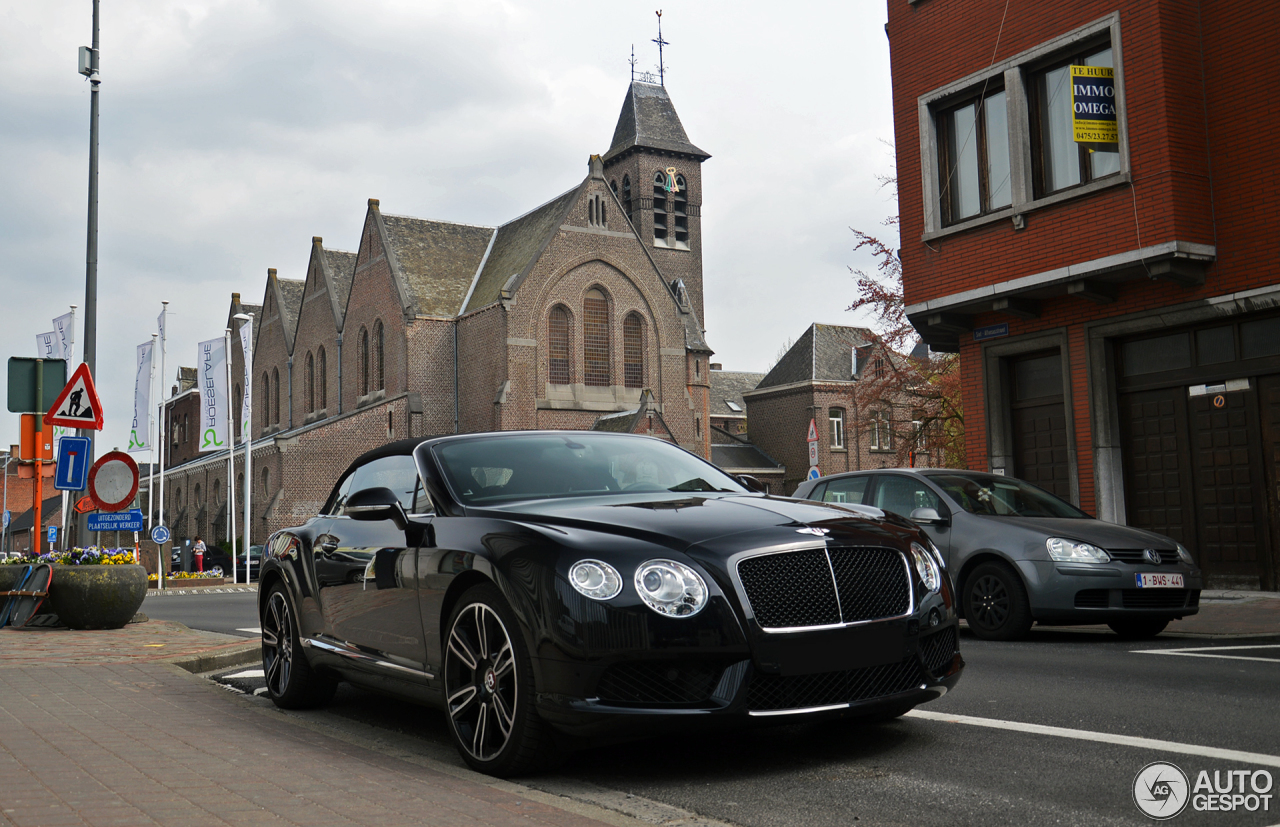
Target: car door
366,572
844,490
904,493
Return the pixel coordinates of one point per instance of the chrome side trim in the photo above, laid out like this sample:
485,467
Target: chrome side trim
769,713
363,657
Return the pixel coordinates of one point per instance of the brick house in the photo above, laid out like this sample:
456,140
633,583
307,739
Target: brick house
564,315
1114,299
860,396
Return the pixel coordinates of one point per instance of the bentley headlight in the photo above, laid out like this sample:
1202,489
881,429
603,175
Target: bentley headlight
1070,551
671,588
1184,555
927,567
595,579
936,553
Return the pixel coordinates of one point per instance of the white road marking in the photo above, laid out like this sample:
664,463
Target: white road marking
1104,737
248,673
256,630
1203,652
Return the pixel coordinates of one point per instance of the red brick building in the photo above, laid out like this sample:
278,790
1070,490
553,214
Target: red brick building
1113,301
555,319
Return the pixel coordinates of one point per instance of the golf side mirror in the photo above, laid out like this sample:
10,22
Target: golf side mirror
927,516
751,483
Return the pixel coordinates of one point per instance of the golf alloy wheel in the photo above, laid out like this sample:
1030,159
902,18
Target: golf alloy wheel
990,601
482,682
995,603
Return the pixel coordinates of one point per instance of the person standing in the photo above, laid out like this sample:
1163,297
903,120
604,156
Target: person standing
198,548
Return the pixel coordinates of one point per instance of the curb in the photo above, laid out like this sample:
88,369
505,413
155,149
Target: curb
250,652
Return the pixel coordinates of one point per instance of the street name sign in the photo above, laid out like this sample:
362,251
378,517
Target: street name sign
78,405
117,521
72,472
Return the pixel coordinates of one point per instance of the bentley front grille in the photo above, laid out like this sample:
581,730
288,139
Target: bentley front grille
825,587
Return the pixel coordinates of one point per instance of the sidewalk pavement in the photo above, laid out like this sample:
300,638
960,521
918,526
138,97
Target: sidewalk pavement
103,728
1222,613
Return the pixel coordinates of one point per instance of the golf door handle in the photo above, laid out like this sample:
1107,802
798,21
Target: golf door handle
328,544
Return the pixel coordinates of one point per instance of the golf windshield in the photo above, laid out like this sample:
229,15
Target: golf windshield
536,466
1003,497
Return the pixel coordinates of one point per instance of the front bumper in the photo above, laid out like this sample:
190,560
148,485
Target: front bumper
887,666
1099,593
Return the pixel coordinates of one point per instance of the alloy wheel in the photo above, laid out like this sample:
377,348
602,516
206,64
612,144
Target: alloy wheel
481,681
277,644
989,602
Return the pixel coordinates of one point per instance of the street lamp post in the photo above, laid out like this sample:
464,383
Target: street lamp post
246,423
89,68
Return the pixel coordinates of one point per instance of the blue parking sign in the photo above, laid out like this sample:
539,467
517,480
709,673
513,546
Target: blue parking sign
53,534
72,471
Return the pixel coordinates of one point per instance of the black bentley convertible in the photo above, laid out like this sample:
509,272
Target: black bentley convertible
545,586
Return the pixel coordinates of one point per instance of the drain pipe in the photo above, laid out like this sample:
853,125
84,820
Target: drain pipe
339,373
455,376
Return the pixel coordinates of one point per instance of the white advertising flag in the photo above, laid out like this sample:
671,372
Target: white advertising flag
63,326
140,432
246,346
47,346
160,322
211,377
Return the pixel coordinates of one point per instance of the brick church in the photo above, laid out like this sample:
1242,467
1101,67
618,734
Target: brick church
581,310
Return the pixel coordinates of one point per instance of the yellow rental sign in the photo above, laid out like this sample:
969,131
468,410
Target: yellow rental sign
1093,105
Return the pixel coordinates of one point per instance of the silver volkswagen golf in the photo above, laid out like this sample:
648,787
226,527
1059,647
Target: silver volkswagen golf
1019,555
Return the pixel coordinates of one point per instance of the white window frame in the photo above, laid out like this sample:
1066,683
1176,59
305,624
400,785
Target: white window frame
835,420
1016,75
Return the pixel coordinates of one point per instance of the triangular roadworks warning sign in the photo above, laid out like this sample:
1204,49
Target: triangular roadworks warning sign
813,431
78,405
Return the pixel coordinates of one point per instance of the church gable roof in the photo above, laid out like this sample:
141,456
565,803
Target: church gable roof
437,260
648,119
517,246
341,267
290,297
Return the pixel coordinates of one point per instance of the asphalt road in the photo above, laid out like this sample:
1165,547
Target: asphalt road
919,770
232,613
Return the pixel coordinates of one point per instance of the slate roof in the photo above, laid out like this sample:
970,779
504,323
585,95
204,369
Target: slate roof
744,457
518,245
824,353
186,380
48,507
291,291
728,386
437,259
649,119
342,268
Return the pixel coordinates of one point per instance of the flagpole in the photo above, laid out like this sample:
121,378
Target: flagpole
151,441
231,459
246,424
164,349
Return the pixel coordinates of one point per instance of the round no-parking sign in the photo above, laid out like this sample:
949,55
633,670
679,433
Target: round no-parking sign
113,481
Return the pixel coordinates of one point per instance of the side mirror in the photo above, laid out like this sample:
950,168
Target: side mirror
751,483
376,504
927,516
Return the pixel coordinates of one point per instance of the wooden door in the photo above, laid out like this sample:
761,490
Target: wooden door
1157,464
1229,488
1269,407
1039,421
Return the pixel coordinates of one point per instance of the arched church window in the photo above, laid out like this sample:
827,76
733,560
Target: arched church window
275,396
322,381
660,208
560,346
379,352
363,366
626,194
311,383
595,339
633,351
680,206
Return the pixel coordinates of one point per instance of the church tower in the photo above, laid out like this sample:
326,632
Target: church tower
657,174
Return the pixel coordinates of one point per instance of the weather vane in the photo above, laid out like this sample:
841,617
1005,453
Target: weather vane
661,67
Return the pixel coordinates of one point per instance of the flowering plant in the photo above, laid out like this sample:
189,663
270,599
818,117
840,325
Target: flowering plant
189,575
92,556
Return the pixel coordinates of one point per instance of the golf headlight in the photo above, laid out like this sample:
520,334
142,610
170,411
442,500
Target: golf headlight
1184,555
671,588
1070,551
927,567
595,579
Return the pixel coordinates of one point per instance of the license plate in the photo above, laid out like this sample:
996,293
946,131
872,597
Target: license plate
1159,581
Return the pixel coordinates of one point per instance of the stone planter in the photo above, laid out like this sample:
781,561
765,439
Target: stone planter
97,597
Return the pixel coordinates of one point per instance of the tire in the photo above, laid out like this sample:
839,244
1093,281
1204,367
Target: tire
1139,628
291,681
995,603
489,688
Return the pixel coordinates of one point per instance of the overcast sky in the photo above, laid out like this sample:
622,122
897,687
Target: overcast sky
233,131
